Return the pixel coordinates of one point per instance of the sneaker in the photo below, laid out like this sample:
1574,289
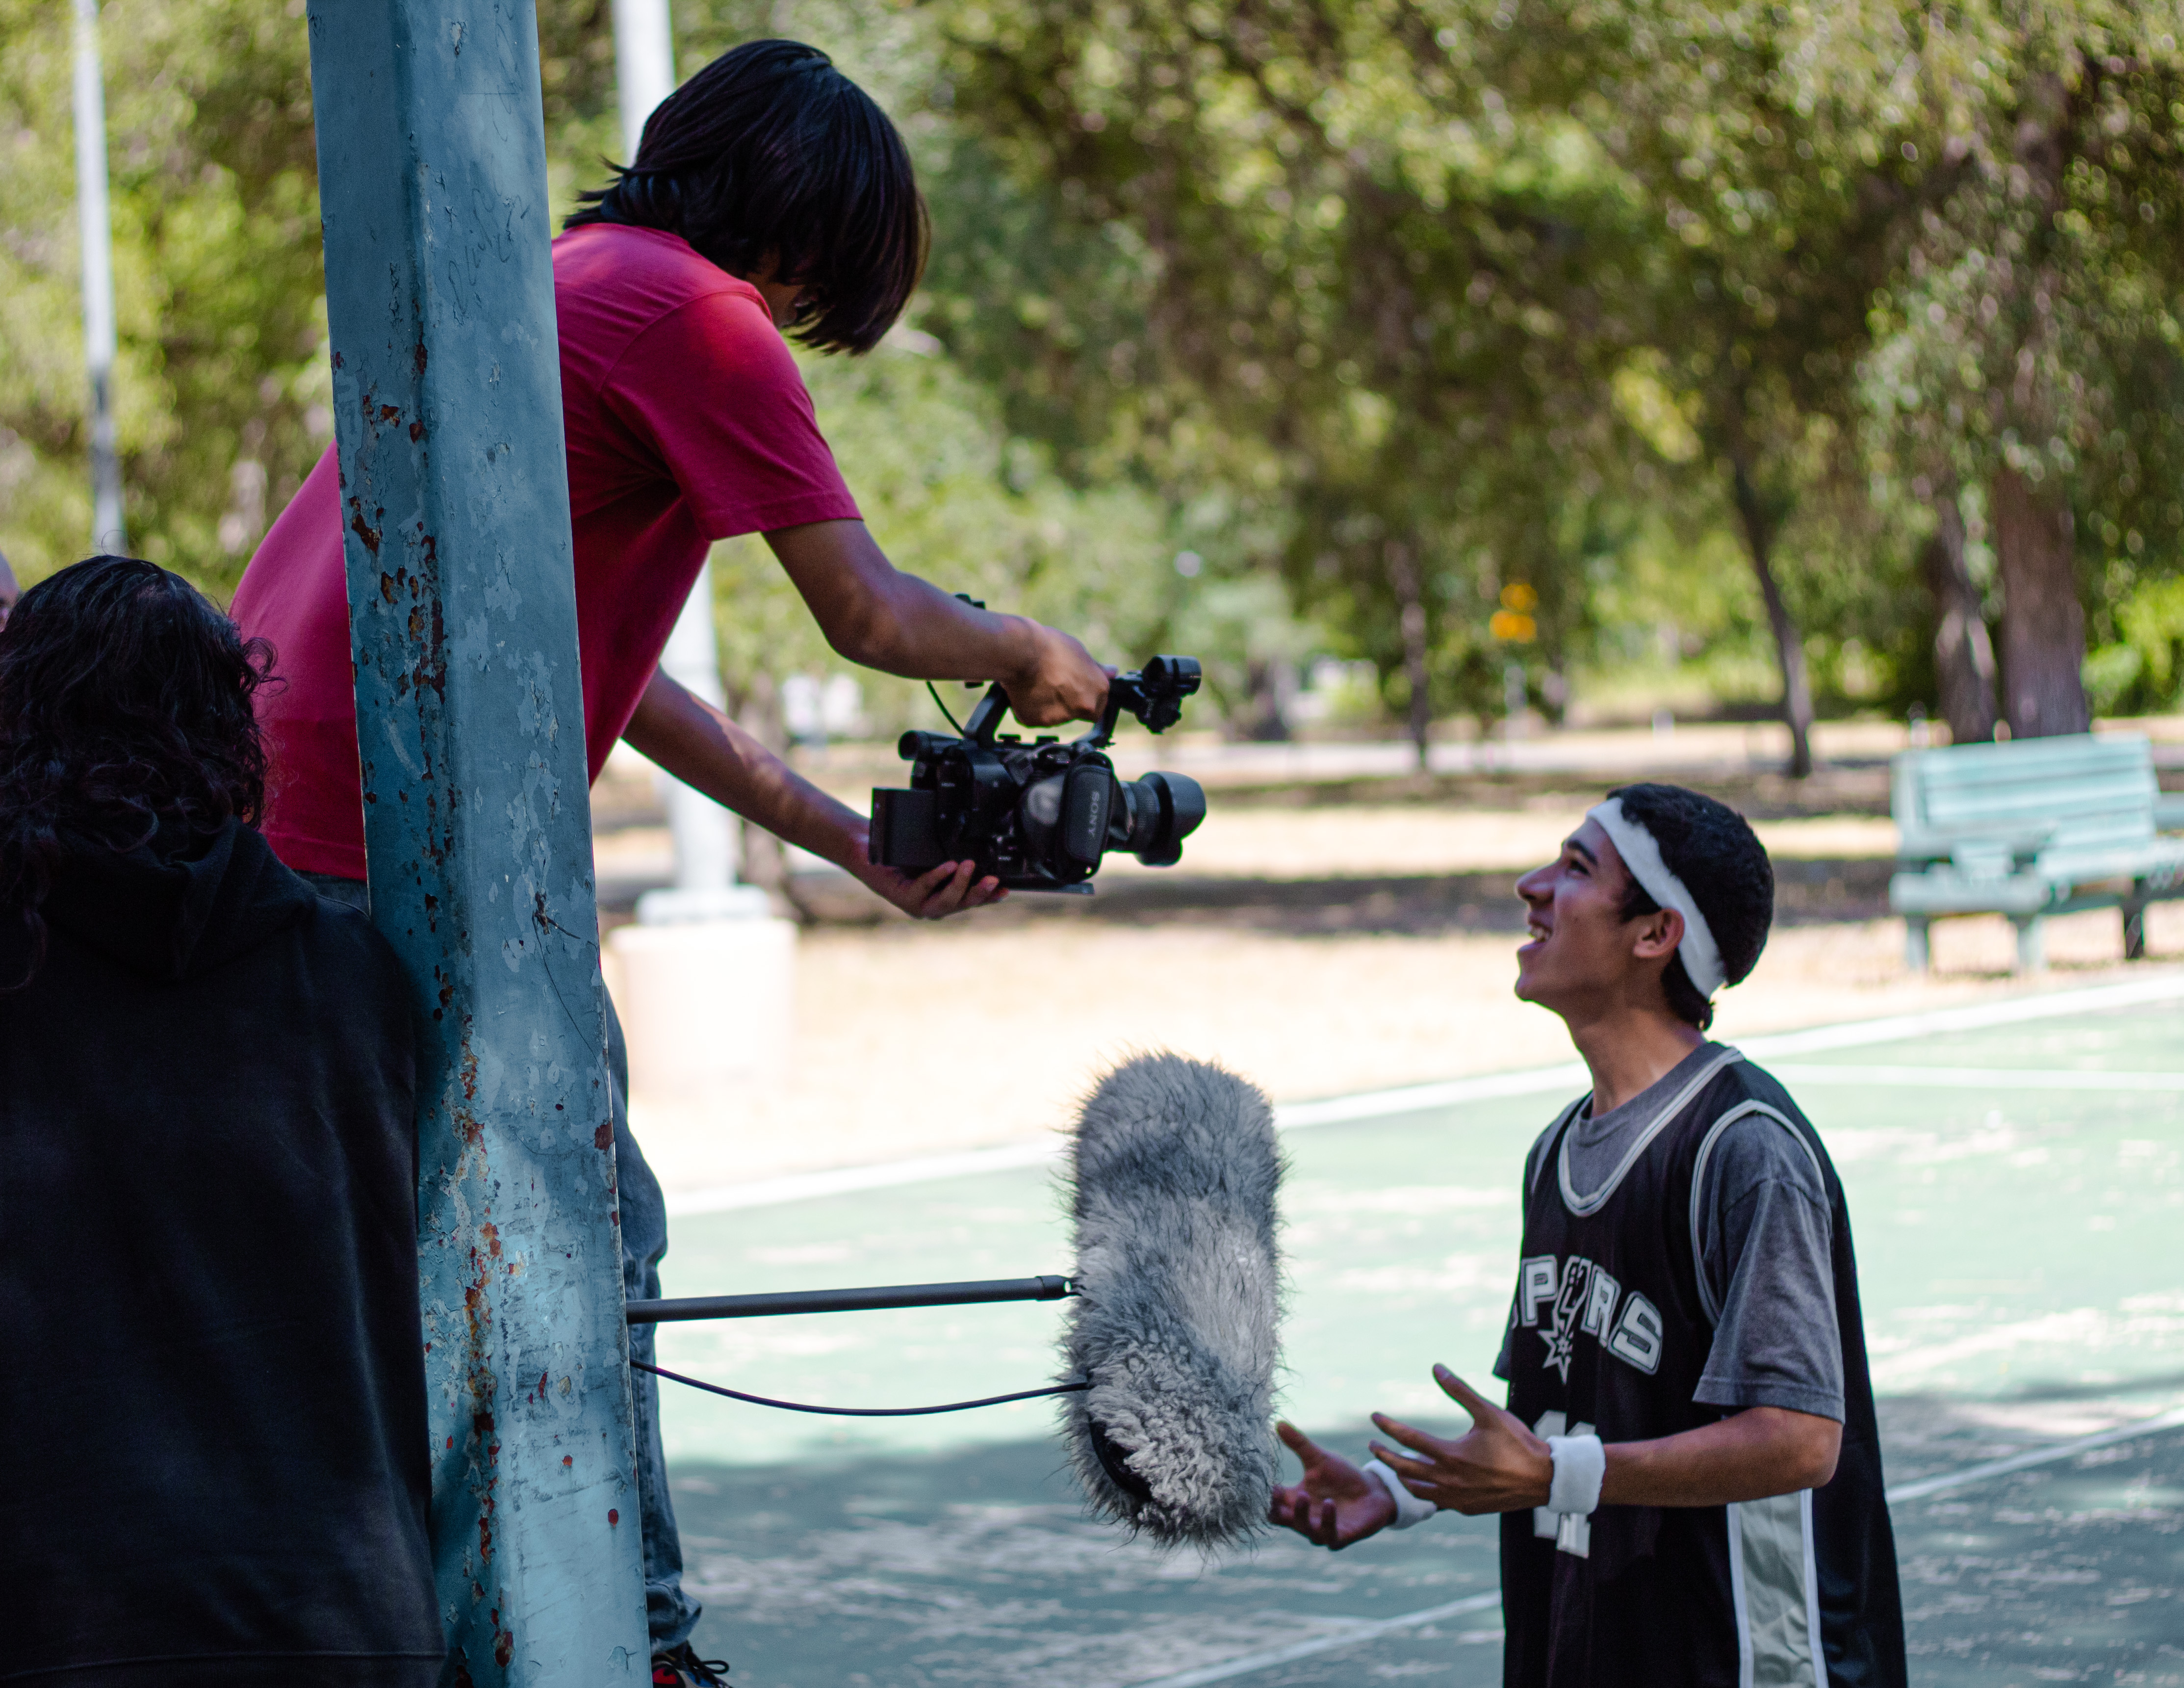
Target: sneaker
681,1667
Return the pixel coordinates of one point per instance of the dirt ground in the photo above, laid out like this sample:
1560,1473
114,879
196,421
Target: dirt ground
1319,950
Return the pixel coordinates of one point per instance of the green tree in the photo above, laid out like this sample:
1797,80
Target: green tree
2033,349
1327,264
220,387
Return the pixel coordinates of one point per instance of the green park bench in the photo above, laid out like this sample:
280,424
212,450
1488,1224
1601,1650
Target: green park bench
2029,829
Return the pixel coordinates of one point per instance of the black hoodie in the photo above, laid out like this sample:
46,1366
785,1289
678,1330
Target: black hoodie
212,1407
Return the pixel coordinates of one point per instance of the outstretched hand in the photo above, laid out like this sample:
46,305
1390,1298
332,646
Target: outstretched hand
1335,1503
1497,1466
934,895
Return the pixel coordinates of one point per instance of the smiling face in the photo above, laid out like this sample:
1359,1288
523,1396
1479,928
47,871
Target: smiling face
1582,955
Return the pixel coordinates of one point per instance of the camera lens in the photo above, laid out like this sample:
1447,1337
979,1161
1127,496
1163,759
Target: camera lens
1163,809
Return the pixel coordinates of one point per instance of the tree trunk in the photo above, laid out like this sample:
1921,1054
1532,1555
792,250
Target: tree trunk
1788,647
1410,596
2043,628
1963,655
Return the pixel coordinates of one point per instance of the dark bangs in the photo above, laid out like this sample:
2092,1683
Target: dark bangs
770,152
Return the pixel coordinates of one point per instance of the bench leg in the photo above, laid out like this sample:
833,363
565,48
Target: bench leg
2134,923
1917,954
2031,943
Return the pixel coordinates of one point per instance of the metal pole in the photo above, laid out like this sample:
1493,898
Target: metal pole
780,1302
477,832
644,65
95,229
704,833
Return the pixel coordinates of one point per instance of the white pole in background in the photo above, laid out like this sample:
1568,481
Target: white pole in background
704,833
644,65
708,975
107,530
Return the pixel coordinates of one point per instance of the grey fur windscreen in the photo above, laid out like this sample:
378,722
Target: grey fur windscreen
1174,1173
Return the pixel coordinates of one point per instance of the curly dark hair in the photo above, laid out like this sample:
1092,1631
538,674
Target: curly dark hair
771,153
125,721
1714,850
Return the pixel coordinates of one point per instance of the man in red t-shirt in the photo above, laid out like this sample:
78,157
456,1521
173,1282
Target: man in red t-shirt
769,193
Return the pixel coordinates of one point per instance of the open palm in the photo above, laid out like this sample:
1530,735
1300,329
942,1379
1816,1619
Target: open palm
1335,1503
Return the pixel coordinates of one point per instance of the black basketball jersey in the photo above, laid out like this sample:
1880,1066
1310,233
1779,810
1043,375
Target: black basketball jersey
1612,1325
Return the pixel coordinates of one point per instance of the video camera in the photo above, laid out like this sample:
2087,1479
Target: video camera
1039,816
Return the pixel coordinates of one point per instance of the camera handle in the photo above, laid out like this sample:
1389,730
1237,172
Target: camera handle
986,718
986,715
1155,696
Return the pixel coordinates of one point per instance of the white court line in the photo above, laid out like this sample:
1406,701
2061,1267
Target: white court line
1973,1078
1892,1028
1454,1092
842,1180
1323,1644
2021,1461
1972,1018
1903,1492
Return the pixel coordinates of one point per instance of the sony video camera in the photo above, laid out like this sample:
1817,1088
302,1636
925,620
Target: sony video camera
1039,816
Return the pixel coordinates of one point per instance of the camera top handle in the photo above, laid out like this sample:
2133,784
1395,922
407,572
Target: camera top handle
1153,694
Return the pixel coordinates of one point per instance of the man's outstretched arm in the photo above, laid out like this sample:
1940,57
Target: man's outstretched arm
708,752
877,616
1500,1466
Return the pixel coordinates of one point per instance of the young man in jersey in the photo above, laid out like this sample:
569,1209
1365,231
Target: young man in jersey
769,193
1688,1470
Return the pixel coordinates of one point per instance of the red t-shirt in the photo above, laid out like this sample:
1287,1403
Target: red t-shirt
687,422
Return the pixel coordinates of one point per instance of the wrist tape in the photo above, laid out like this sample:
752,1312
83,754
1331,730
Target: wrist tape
1580,1467
1409,1508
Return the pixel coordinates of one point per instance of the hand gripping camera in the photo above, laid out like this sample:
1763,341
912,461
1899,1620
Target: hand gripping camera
1039,816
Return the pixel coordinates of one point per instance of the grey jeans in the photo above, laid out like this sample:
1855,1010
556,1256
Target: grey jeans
670,1613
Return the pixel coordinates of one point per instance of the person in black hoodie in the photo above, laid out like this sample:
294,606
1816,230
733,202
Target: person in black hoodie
214,1408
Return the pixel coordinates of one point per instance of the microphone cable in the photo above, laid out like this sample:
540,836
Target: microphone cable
1075,1388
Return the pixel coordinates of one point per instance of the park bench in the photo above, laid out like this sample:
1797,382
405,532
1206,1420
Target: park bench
2033,828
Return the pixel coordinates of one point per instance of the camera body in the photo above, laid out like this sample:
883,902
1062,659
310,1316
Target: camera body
1039,816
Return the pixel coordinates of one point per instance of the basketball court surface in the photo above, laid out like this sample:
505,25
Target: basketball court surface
2016,1176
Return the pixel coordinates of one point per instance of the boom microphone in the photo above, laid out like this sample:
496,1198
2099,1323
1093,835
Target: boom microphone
1174,1174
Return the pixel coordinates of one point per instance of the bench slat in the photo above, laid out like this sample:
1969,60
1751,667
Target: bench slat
2031,828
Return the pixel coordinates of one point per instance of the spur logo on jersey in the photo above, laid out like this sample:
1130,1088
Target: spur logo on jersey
1582,1299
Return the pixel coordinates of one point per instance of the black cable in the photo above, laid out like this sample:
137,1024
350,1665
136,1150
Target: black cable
944,709
866,1411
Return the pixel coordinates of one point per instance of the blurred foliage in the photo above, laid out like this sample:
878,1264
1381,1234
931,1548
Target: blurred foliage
2142,669
221,384
1506,287
955,500
1393,316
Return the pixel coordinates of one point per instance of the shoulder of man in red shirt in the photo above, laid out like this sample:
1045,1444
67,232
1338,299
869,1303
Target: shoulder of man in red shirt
686,420
653,337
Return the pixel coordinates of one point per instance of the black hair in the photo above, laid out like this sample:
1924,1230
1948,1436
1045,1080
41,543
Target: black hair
125,721
771,153
1712,849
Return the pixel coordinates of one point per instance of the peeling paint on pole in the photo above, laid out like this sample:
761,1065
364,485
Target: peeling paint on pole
477,828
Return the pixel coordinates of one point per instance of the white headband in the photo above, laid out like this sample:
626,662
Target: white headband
1643,856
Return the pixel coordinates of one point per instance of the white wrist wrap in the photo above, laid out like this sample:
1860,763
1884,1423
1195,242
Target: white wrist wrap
1580,1467
1409,1508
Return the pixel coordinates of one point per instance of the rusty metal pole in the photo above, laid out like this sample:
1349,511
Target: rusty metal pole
477,828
